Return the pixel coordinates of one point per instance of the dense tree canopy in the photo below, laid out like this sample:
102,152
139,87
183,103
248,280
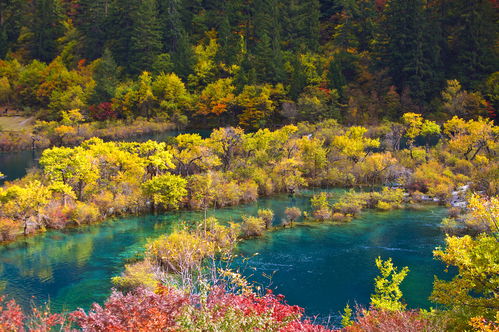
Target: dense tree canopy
251,63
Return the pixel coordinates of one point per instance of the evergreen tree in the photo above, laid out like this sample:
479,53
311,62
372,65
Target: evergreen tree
45,28
335,75
355,26
473,42
267,51
145,37
170,20
183,56
175,38
11,13
298,78
91,21
121,25
301,24
404,46
230,34
106,79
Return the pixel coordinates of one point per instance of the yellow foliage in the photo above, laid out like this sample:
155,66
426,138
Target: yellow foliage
180,251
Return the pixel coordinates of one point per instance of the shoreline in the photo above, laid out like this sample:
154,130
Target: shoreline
11,142
305,222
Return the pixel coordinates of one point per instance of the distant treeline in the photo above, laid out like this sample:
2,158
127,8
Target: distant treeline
255,63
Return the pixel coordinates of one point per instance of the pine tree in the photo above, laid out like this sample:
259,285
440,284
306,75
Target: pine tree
301,24
145,37
474,40
121,25
11,14
335,75
355,26
170,20
267,51
404,47
45,28
228,16
183,56
298,79
91,21
106,79
175,38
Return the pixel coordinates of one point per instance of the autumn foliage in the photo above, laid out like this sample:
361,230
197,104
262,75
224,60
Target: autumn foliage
167,310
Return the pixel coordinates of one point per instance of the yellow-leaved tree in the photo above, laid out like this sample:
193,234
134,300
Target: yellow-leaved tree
387,294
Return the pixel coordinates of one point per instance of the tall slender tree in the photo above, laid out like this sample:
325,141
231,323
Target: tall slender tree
267,51
473,44
105,77
11,20
45,27
91,20
301,24
404,44
145,37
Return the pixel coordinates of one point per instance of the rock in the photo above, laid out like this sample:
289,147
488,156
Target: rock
30,226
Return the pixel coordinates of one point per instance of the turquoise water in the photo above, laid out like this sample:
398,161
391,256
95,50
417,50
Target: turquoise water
320,267
14,165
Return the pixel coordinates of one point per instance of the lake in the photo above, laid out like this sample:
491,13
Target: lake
319,267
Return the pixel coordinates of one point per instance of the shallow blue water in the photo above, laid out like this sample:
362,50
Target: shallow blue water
321,267
14,165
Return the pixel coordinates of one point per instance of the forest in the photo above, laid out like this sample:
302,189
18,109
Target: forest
256,64
392,101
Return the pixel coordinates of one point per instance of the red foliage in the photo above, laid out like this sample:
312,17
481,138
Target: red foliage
11,315
102,112
250,305
142,310
45,321
380,4
12,318
253,305
490,110
394,321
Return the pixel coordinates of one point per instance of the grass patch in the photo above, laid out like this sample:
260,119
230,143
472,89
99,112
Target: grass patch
15,123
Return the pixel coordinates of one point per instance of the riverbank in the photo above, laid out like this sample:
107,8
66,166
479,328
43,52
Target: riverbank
43,134
97,180
333,211
74,266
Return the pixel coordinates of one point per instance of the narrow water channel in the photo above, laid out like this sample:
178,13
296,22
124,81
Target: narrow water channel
14,165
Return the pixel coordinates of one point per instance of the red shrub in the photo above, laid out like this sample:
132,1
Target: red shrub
253,305
13,319
102,112
141,310
11,315
42,320
394,321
